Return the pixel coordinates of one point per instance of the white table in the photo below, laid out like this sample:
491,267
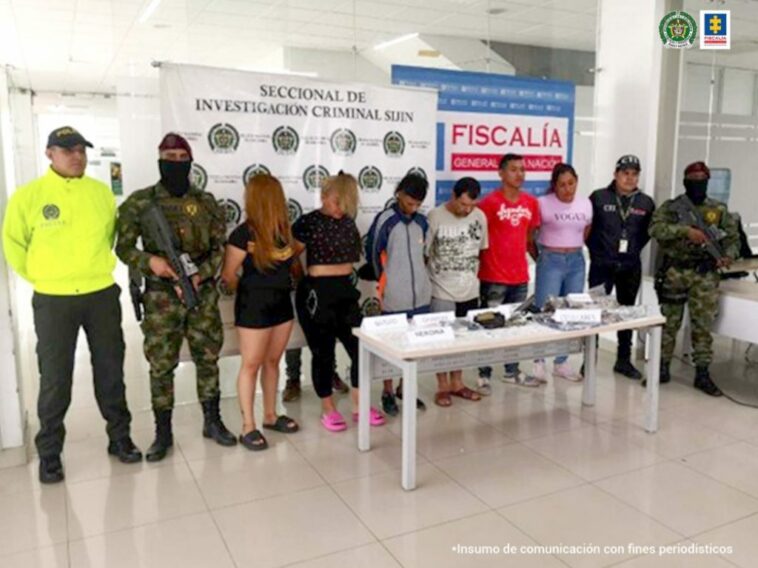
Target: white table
389,355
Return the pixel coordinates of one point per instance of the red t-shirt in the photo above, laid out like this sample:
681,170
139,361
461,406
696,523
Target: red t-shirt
508,223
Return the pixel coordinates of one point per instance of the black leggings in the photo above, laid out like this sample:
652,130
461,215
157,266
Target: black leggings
327,308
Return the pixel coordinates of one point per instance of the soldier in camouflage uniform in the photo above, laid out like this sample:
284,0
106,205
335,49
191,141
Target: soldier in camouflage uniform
689,274
199,226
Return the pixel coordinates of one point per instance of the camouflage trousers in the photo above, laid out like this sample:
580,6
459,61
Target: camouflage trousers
166,323
700,293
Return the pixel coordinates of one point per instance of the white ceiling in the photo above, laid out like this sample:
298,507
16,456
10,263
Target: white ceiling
87,45
90,45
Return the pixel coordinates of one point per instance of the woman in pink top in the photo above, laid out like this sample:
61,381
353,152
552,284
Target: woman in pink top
566,221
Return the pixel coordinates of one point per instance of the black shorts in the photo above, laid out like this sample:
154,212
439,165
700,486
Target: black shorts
262,307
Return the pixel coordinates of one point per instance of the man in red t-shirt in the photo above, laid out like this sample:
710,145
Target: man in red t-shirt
513,216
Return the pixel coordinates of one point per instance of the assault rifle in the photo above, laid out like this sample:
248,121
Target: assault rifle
689,215
156,227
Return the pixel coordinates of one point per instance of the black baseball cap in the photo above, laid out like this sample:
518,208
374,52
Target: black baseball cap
628,162
67,137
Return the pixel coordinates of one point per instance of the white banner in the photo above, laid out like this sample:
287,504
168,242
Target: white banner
299,130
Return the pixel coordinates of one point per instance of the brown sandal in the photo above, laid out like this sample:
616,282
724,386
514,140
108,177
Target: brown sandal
466,393
442,398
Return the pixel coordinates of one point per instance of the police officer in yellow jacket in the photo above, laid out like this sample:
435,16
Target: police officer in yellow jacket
58,234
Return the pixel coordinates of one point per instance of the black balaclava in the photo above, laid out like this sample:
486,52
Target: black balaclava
696,190
175,176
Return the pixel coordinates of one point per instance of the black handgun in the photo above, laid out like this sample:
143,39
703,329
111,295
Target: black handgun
156,226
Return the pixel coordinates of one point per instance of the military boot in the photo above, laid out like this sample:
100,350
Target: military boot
664,375
164,438
213,427
704,383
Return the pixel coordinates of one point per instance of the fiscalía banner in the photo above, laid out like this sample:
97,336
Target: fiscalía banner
300,130
483,116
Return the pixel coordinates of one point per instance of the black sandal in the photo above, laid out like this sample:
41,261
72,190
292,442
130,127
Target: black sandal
283,424
254,441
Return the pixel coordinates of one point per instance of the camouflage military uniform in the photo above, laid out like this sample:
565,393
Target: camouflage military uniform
199,225
689,276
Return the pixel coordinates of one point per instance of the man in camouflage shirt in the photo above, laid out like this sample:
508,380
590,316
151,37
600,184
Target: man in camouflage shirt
199,227
689,274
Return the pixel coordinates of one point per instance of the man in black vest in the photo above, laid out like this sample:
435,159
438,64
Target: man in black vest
620,221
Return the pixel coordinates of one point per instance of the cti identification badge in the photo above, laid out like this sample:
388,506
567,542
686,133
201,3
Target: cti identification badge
716,29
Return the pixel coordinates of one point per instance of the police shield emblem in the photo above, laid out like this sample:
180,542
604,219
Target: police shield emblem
678,30
223,138
370,179
394,144
343,142
294,210
254,170
313,176
198,176
191,209
232,211
417,172
285,140
51,212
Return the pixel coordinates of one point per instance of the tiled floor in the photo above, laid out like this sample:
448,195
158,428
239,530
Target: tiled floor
522,468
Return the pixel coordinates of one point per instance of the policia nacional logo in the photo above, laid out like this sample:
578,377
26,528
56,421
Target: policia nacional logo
232,211
370,179
371,307
294,210
394,144
198,176
51,212
254,170
678,29
285,140
223,138
343,142
313,176
416,171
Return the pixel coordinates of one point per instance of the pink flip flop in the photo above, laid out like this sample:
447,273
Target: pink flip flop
334,422
375,418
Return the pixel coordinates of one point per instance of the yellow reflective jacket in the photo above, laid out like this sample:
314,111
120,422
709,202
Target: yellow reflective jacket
58,234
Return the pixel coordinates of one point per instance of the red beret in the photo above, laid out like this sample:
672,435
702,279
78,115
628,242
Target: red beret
173,141
697,167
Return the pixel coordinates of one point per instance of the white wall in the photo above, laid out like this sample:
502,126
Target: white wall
11,415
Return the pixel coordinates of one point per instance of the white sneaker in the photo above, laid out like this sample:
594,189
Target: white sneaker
483,386
564,371
538,372
520,378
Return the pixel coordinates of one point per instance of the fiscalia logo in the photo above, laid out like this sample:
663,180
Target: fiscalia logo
512,136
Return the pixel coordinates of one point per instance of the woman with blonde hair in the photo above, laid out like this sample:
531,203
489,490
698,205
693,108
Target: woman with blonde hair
263,246
326,299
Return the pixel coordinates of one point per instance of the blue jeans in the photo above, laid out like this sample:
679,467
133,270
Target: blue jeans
493,294
558,274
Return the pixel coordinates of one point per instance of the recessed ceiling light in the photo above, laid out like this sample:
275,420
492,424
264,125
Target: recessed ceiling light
496,11
161,26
